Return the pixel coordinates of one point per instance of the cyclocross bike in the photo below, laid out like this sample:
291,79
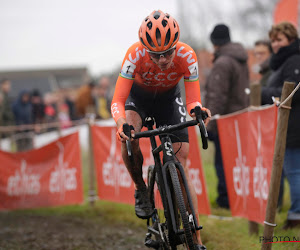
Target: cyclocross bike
174,221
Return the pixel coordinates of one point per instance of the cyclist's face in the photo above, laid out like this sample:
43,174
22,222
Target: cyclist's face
163,60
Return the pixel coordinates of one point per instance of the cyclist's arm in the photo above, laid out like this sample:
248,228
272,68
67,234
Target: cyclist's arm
189,64
122,90
192,94
124,82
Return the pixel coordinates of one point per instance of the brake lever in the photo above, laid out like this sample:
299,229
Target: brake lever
127,132
200,117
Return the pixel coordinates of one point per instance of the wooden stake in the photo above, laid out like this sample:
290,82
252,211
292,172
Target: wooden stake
255,100
279,151
92,192
255,94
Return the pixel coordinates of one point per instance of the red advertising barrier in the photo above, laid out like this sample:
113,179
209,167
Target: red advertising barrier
247,144
48,176
114,181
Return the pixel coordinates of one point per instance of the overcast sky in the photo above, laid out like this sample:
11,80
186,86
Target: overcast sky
97,33
55,33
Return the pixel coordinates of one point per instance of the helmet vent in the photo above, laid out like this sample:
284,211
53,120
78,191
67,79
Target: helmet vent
167,16
167,37
142,41
149,25
158,36
176,35
149,40
164,23
156,15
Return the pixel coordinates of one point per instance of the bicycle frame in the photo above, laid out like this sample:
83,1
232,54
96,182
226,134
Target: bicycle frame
162,172
169,183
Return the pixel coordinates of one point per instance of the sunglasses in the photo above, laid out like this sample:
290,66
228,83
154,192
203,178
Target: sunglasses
165,54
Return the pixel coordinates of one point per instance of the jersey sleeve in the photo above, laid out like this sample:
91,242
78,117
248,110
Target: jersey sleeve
122,90
131,61
191,76
125,80
192,95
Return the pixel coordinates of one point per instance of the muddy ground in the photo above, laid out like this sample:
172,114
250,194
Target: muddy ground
23,231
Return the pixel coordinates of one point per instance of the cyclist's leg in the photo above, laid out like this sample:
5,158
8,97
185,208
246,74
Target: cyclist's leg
143,206
135,171
182,157
134,110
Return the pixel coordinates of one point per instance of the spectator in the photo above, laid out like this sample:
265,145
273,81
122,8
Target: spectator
6,113
38,107
22,109
85,99
103,100
225,92
70,97
285,63
63,112
262,53
50,109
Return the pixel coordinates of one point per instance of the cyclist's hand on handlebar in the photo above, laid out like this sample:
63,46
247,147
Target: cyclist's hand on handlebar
207,115
121,135
207,111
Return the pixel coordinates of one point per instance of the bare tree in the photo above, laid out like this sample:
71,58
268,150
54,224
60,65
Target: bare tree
248,20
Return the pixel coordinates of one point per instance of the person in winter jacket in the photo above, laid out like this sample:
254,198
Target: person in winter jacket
22,109
38,107
225,92
285,63
85,99
262,54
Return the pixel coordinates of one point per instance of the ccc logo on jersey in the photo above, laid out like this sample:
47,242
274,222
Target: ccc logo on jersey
158,78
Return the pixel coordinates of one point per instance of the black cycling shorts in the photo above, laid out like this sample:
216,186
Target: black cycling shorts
167,108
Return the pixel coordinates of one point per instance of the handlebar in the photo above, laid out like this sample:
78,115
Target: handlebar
200,117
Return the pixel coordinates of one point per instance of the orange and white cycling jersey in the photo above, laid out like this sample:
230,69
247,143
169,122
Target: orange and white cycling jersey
137,66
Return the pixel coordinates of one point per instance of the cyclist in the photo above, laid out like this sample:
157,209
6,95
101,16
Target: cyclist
148,86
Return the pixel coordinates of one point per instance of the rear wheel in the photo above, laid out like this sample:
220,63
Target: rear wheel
180,209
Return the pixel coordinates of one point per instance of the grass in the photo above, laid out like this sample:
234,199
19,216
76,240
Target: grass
219,232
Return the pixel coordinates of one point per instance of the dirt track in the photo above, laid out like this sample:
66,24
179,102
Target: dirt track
19,231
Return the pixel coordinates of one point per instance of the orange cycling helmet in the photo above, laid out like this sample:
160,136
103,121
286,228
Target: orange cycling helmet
159,31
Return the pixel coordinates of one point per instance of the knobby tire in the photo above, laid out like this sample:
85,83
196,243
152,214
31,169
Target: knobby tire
181,206
157,201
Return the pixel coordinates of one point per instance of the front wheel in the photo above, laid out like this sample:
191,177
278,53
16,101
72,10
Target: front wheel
180,209
158,221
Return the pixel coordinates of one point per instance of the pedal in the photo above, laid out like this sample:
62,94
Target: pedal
150,243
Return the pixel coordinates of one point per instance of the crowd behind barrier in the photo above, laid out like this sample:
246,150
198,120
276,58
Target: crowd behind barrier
34,113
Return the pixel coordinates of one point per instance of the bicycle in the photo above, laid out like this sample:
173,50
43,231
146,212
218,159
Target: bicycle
175,224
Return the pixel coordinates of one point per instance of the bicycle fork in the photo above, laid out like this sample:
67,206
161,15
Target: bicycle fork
170,158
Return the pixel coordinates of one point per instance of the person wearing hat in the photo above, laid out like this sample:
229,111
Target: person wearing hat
225,92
